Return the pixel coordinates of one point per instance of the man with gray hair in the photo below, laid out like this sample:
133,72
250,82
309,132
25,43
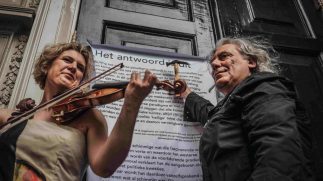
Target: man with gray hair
259,131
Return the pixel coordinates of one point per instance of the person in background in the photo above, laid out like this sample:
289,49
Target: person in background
259,131
44,149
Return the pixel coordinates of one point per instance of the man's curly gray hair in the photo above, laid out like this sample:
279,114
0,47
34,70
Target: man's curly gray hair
259,50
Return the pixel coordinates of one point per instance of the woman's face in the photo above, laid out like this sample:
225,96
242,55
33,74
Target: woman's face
66,71
230,67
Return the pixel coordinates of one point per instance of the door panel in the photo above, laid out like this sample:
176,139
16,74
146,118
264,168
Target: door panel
274,17
164,8
182,26
270,17
123,35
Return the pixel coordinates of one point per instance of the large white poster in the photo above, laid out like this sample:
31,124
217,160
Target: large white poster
164,147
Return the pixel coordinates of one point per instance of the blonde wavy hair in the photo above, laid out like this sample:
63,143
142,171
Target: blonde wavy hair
256,48
51,52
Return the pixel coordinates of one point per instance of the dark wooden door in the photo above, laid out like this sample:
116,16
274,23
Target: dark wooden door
182,26
192,26
295,27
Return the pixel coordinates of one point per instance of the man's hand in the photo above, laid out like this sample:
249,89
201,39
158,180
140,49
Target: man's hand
185,93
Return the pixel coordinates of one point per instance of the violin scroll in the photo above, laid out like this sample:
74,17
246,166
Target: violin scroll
178,86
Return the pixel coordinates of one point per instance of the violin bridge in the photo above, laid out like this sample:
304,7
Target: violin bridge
58,116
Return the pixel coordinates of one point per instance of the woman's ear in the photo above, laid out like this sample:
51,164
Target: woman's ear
44,69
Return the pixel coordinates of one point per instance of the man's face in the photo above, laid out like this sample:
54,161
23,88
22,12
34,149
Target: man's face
230,67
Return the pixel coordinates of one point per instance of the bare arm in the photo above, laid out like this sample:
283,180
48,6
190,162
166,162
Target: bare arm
106,154
4,115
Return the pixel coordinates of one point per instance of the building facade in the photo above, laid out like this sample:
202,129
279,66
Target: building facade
184,26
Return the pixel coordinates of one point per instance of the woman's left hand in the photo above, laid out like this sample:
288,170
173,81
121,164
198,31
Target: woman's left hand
138,89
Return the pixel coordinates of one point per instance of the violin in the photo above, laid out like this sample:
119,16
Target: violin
73,102
103,93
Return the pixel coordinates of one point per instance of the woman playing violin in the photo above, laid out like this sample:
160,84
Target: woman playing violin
43,149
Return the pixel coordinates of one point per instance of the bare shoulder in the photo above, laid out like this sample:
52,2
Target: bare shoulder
94,116
5,114
91,119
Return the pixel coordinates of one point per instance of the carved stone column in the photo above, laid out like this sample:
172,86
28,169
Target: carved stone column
34,3
14,66
16,19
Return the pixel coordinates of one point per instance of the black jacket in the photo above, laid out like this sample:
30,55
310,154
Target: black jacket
258,132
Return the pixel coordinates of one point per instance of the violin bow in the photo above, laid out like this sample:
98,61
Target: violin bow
28,114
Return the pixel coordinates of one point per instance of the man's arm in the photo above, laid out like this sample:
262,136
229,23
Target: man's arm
274,139
196,108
